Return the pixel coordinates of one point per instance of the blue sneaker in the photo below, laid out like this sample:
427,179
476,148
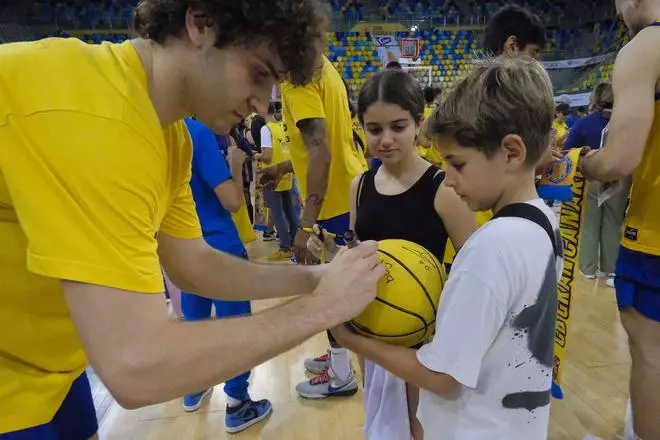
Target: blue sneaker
246,414
192,402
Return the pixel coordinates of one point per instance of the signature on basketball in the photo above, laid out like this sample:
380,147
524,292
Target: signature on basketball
425,258
388,274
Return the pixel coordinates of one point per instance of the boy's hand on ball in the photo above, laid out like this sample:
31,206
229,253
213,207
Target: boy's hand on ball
349,283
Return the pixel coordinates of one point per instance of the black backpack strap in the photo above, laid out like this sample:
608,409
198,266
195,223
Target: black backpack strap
533,214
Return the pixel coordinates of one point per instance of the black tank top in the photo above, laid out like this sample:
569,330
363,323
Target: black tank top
409,216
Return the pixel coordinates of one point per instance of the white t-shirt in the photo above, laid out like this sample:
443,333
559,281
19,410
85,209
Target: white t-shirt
266,137
495,335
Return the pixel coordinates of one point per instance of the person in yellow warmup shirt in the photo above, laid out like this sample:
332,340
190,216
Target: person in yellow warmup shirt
359,137
94,196
279,199
559,124
632,146
325,161
426,149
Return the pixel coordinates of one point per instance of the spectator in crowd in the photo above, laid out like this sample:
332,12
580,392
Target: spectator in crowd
217,188
514,29
559,125
279,197
393,65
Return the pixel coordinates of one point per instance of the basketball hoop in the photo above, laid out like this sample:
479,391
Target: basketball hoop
410,48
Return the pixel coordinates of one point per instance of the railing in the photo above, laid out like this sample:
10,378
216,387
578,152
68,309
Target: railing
13,32
344,22
115,23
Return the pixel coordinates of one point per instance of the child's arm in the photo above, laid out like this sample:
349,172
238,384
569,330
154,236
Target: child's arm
470,315
458,219
400,361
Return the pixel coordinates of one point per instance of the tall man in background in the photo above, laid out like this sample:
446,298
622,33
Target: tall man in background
514,29
325,161
632,147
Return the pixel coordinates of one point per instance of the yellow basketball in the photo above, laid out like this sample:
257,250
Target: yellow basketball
408,295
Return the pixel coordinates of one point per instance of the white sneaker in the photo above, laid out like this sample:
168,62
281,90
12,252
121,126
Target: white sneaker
589,277
610,282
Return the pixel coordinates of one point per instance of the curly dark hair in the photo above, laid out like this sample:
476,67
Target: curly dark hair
295,29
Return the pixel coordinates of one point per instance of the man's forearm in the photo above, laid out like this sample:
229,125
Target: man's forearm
173,359
285,167
601,167
222,276
194,266
317,185
318,168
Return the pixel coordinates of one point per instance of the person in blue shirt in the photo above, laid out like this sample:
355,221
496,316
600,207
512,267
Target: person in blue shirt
601,230
574,117
217,188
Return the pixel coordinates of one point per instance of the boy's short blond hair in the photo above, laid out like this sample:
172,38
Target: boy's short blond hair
499,96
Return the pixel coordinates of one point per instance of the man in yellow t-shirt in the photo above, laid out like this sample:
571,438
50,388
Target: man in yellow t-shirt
325,161
94,196
318,120
632,147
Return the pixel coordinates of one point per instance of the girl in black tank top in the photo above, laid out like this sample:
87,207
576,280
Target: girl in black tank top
404,198
410,215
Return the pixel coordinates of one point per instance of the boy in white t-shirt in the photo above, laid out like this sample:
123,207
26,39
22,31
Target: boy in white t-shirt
487,373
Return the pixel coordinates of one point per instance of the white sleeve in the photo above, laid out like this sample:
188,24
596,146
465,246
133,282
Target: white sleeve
472,311
266,138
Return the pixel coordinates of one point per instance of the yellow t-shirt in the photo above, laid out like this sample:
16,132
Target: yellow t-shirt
361,150
87,178
642,224
323,98
561,131
278,133
243,224
428,111
430,151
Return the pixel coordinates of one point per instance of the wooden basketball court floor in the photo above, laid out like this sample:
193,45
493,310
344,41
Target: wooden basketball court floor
595,387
